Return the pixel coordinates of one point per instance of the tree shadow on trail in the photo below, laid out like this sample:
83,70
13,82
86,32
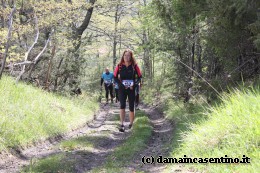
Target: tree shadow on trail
77,155
83,153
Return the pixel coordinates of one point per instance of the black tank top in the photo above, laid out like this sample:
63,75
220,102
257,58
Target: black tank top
126,73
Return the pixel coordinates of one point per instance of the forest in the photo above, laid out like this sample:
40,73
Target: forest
180,45
199,59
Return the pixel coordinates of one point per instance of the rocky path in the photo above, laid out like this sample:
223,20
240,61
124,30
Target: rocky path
158,145
103,133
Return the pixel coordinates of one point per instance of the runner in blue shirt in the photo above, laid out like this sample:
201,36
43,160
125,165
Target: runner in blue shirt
108,79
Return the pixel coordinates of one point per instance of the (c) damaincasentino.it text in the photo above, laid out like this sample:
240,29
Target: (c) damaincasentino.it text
185,159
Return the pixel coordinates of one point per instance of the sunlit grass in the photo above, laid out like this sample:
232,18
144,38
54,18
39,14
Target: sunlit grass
230,128
55,163
30,114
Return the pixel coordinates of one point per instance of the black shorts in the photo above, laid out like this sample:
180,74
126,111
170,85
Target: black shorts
109,88
123,94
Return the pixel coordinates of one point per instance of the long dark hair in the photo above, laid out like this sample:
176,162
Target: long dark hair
132,59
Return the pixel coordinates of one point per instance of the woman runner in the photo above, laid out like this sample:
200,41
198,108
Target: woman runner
125,75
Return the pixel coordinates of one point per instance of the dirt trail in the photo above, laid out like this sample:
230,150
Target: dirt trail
158,144
103,133
103,122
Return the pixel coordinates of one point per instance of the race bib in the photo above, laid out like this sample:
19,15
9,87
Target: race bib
128,83
108,82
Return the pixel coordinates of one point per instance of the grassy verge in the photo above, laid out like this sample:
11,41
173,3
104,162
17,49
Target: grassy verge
122,155
30,114
230,127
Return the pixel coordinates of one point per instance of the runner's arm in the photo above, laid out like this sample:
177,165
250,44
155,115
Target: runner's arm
139,75
116,77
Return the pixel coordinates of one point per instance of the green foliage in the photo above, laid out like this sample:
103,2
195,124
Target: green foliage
58,17
30,114
56,163
229,128
215,38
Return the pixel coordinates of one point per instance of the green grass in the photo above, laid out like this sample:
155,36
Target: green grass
82,143
55,163
123,154
30,114
76,144
230,128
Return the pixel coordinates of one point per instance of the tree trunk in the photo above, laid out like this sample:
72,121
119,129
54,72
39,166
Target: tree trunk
8,40
73,70
153,68
146,57
79,31
2,17
114,53
193,58
120,45
37,58
115,36
49,68
199,60
57,75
